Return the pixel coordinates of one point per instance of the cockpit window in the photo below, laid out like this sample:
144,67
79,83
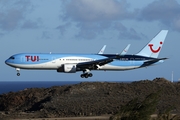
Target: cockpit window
12,57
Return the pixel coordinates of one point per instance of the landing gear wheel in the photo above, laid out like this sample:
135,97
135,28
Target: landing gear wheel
18,74
86,75
82,75
90,75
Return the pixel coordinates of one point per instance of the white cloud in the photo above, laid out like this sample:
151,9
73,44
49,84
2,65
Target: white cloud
10,19
166,12
46,35
176,24
63,28
94,17
96,10
12,13
29,24
125,33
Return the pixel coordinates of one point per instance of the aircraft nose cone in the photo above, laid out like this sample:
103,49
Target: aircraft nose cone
6,61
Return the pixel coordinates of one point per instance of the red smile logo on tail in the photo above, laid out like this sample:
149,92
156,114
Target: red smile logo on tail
155,51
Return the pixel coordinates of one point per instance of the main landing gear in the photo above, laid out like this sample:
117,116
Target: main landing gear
86,74
18,71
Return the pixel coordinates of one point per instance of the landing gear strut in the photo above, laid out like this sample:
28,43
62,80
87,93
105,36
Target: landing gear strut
18,71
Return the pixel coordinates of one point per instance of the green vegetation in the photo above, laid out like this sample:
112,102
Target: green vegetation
166,115
142,110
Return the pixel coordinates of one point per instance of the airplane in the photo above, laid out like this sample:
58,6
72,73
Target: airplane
72,63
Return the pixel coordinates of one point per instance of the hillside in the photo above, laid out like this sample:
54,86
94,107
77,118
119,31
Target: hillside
86,99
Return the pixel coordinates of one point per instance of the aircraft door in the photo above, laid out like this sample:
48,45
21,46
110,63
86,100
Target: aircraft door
132,61
23,59
53,59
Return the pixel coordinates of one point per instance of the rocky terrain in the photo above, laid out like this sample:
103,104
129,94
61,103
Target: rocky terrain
86,99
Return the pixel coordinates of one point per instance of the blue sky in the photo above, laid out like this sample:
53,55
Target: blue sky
84,26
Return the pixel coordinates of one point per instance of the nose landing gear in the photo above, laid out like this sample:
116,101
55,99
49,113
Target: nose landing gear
18,71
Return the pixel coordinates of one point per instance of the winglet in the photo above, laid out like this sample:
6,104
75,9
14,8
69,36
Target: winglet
153,48
102,50
125,50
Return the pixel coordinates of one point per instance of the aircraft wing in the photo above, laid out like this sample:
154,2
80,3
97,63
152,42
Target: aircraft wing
93,65
150,62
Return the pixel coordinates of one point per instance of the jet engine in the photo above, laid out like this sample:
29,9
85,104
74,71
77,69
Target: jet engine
67,68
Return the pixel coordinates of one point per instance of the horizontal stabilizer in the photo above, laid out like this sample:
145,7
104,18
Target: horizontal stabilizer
150,62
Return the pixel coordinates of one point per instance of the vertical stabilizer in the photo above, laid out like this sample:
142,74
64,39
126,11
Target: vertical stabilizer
153,48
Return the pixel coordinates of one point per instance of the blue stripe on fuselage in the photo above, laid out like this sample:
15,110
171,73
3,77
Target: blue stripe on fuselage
35,58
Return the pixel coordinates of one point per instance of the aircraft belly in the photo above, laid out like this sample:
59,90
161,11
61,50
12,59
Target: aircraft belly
118,68
122,65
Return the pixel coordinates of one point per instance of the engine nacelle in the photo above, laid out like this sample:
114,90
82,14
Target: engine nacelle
67,68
